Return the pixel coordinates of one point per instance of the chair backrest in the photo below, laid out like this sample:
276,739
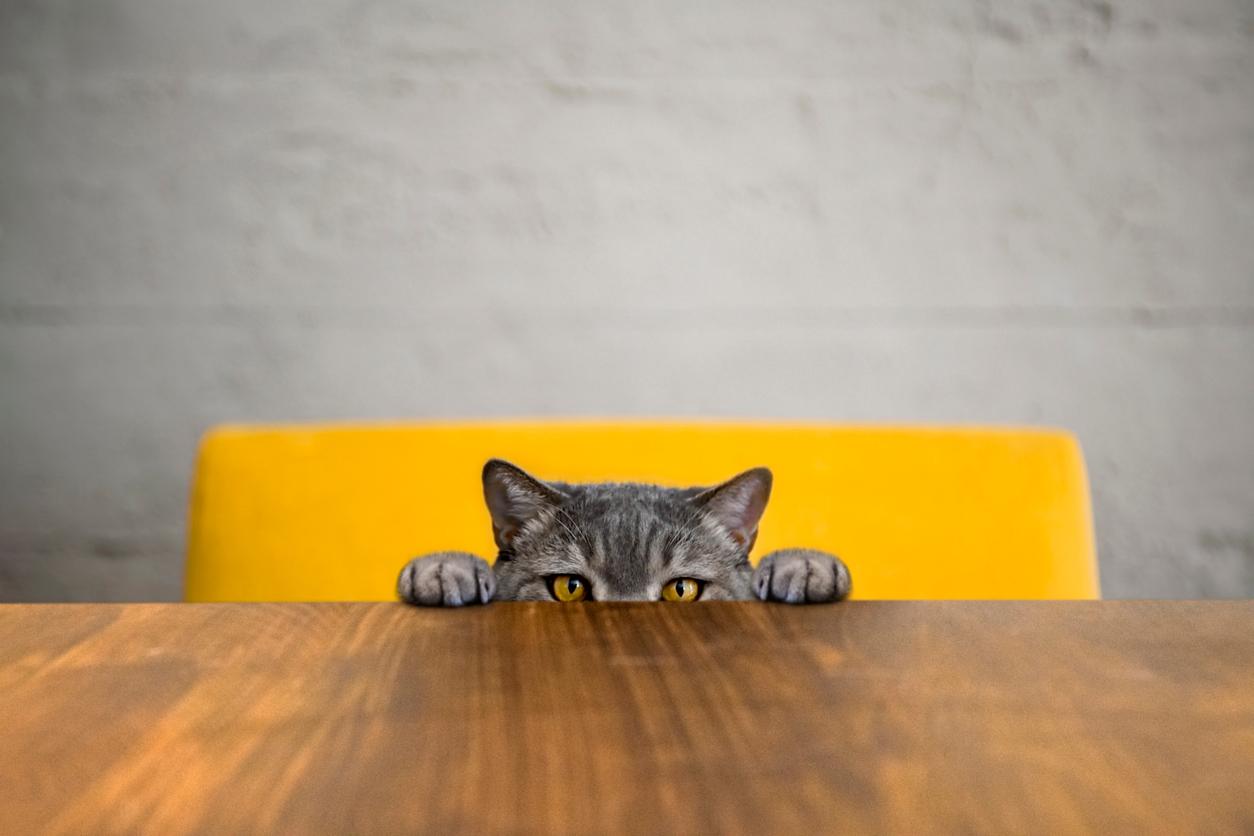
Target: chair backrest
333,512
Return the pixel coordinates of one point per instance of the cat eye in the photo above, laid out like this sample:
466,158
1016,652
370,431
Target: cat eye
568,588
682,589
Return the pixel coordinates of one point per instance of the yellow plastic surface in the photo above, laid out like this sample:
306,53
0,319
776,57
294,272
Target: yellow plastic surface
311,513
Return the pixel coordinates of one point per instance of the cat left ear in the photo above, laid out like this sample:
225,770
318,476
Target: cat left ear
738,503
514,497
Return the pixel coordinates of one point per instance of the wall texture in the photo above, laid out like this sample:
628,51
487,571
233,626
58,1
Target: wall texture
915,211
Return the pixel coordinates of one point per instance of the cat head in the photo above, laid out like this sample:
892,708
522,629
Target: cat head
622,542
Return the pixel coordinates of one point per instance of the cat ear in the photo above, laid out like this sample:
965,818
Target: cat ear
514,497
738,503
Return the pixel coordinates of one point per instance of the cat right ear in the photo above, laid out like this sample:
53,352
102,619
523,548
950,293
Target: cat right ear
514,498
738,503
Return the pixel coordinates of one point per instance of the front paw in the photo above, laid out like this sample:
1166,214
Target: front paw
446,579
801,576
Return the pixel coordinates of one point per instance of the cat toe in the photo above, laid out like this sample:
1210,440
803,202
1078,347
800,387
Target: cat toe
449,579
762,579
801,577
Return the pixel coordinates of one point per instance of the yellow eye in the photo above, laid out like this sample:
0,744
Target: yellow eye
682,589
568,588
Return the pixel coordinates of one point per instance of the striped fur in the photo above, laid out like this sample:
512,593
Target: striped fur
626,541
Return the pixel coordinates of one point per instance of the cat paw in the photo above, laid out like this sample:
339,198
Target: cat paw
801,576
446,579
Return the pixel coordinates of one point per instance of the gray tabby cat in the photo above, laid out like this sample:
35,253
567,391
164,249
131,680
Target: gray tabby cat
623,542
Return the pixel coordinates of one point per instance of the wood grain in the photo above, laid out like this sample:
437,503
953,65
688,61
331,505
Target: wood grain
863,717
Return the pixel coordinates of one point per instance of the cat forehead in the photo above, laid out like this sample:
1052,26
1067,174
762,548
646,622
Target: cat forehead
627,498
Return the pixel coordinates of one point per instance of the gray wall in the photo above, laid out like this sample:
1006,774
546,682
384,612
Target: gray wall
867,211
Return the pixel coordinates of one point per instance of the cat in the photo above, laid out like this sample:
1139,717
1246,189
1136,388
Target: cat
623,542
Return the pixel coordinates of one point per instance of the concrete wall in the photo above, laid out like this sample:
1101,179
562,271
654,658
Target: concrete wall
866,211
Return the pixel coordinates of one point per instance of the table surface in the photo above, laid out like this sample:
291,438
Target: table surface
652,718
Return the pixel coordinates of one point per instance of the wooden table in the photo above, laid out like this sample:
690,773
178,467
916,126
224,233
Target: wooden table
1117,717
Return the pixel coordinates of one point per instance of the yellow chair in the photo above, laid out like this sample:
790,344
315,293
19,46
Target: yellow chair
317,513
